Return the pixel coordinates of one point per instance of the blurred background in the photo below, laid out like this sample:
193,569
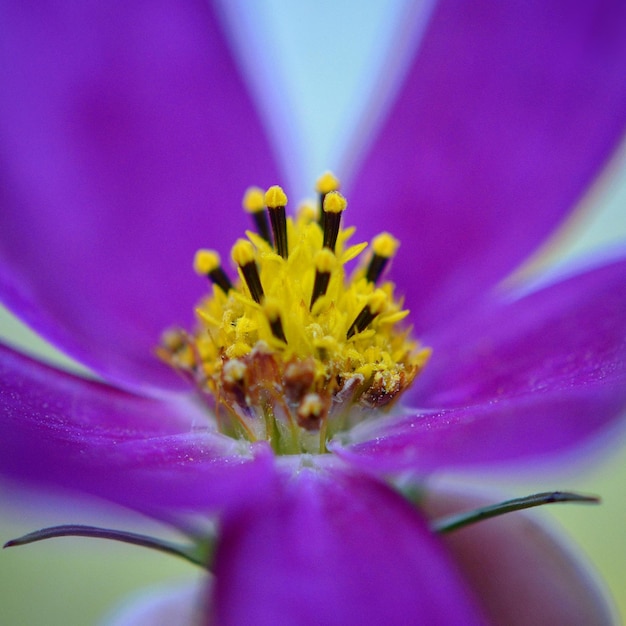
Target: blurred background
311,50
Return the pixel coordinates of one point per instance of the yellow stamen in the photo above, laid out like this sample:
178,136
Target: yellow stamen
334,205
334,202
253,200
243,255
384,247
206,261
375,305
327,182
272,310
275,197
324,263
276,201
254,203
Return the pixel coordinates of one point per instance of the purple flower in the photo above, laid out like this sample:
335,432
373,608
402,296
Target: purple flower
127,135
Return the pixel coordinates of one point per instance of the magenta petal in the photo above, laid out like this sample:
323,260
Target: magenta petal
507,113
127,139
331,548
526,379
562,337
151,455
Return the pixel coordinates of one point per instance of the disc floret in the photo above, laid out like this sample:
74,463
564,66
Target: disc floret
295,351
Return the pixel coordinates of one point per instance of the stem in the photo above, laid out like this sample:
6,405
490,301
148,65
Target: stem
198,554
460,520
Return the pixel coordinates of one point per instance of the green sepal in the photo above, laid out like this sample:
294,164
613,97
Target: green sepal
199,553
460,520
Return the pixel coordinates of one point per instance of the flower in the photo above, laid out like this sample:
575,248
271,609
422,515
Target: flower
127,135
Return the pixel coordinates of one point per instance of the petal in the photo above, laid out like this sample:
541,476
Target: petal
152,455
524,573
506,114
522,379
563,336
126,139
335,549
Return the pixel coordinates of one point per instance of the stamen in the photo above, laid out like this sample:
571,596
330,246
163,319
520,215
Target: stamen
207,263
276,201
298,349
324,261
311,411
272,310
254,203
234,371
384,247
326,183
334,205
243,255
375,305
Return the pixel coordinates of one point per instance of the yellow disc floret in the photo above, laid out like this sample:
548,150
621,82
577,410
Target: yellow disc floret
296,351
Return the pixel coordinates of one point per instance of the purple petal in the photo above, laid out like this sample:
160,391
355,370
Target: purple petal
335,549
523,574
148,454
525,379
507,113
127,140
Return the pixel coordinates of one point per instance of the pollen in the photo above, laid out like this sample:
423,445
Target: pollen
297,347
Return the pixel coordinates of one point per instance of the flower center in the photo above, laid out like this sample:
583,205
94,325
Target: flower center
295,351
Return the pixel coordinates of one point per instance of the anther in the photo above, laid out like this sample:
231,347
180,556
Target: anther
243,256
324,262
254,203
384,247
326,183
272,311
334,205
276,201
311,411
374,306
207,263
234,371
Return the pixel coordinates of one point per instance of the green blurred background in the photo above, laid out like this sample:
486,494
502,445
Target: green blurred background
75,582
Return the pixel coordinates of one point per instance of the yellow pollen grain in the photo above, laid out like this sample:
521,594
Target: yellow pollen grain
253,200
385,245
242,252
327,182
334,202
325,260
205,262
275,197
